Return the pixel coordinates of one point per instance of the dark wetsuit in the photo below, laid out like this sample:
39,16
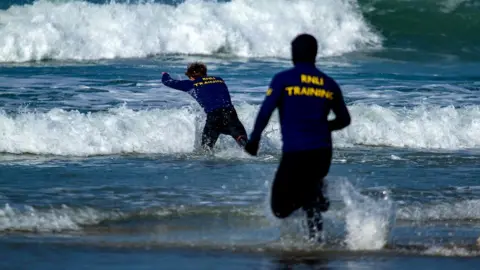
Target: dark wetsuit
304,96
213,96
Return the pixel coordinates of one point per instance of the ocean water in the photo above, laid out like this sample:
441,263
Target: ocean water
98,167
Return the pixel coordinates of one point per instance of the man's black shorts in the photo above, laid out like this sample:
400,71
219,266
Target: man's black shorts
223,121
298,182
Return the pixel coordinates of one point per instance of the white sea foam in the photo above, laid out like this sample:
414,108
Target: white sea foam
368,221
246,28
460,210
122,130
47,220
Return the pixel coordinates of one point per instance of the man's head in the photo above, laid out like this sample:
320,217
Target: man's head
304,49
196,70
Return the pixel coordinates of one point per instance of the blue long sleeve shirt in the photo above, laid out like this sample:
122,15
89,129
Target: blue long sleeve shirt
304,97
210,92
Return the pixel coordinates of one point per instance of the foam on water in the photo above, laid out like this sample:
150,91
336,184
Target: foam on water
117,131
247,28
368,221
461,210
428,127
47,220
365,220
451,252
123,130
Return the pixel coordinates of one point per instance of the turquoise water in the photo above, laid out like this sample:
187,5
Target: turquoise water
98,167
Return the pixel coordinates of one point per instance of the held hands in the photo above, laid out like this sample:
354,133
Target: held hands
252,147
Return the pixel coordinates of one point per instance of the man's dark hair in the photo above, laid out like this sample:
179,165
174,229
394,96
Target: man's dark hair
304,49
196,69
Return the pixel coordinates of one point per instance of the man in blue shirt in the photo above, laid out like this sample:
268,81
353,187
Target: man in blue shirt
213,96
304,96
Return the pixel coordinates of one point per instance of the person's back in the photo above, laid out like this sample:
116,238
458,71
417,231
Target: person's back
211,93
304,105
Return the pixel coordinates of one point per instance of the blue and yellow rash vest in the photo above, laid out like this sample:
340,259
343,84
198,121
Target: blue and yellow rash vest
210,92
304,96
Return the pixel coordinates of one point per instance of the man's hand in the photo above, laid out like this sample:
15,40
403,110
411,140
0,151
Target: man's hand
165,76
252,147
